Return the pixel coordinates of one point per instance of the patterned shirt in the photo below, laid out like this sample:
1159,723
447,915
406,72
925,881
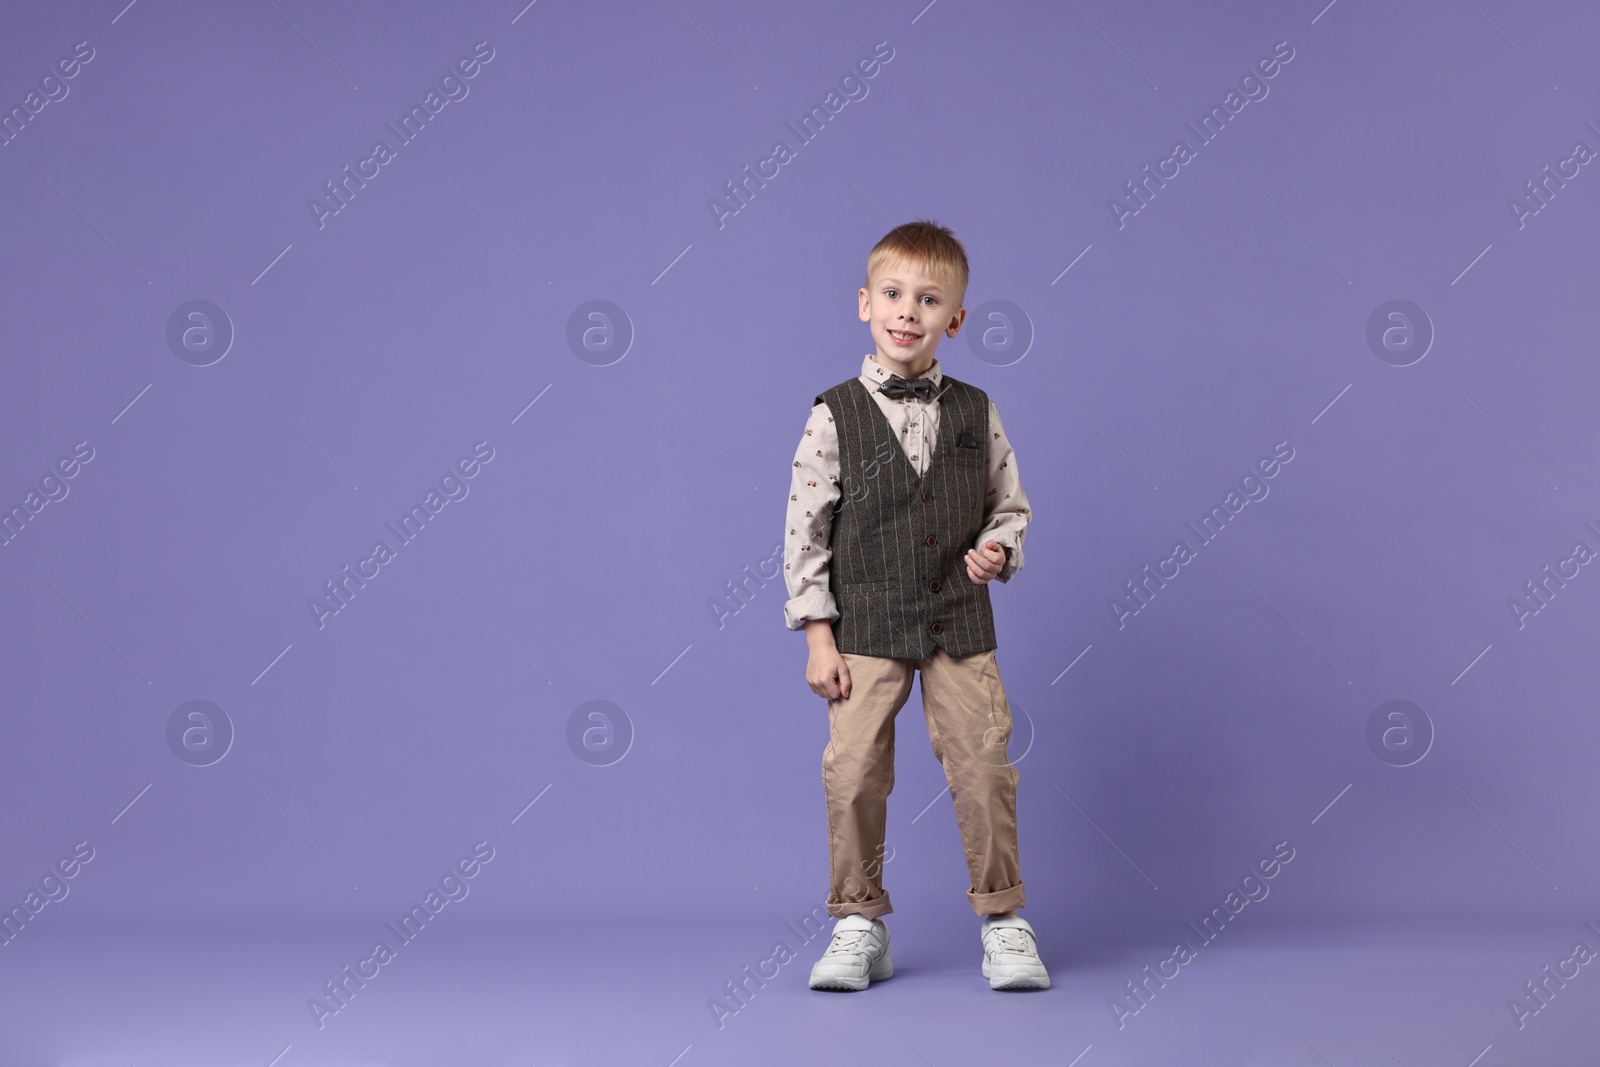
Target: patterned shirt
814,488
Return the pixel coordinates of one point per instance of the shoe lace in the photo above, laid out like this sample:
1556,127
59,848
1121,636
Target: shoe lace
846,941
1012,941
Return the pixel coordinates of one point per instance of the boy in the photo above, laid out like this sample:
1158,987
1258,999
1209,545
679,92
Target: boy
904,503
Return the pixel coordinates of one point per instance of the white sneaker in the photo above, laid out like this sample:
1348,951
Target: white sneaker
857,956
1010,954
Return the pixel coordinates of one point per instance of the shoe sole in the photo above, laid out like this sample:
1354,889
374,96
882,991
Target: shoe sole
1016,981
854,985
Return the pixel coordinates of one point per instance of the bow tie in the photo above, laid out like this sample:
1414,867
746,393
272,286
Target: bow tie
897,387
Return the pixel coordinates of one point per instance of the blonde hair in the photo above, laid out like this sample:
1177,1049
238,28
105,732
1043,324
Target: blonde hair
923,242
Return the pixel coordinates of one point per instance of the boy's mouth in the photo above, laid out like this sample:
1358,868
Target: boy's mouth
901,337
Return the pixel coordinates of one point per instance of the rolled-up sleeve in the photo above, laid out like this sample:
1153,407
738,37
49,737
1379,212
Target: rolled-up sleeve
1006,507
813,491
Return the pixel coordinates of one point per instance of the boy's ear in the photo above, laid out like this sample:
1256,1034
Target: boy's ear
955,322
861,299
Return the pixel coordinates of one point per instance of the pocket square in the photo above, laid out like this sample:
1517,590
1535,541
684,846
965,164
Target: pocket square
967,439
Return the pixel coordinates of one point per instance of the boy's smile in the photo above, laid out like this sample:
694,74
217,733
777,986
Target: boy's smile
908,310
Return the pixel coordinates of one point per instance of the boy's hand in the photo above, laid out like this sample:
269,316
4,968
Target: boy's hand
987,564
826,672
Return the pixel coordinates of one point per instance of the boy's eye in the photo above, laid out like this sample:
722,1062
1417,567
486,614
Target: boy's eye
891,293
931,298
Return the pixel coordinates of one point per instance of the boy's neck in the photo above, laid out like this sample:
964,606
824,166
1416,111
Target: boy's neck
907,371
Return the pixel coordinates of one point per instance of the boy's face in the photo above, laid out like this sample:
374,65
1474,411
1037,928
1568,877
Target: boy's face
908,310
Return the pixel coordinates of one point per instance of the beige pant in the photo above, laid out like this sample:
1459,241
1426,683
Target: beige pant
969,723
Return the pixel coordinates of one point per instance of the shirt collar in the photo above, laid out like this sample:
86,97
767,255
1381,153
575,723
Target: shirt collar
875,374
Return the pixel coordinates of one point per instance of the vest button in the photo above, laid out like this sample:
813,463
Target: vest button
934,585
927,498
937,628
932,540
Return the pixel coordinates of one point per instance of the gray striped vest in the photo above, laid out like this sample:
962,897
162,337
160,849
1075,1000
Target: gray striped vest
897,570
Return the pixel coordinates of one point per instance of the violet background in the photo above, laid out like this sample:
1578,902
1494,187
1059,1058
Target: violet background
1230,314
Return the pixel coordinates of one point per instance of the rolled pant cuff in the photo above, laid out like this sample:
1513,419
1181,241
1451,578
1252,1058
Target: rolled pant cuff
1003,900
876,907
